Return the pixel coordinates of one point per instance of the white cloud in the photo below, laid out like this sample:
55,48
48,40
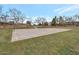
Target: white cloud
68,9
27,17
65,10
59,9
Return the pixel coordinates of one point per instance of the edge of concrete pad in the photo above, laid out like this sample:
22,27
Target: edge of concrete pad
13,40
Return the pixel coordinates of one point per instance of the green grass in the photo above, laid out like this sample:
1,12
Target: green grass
5,38
64,43
5,35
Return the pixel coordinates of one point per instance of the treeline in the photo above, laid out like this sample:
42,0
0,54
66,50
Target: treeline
15,17
59,21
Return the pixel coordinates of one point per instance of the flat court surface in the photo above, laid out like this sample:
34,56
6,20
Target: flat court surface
21,34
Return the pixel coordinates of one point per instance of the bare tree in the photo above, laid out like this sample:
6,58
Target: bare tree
45,23
22,18
3,17
13,15
16,16
61,20
28,23
40,20
1,13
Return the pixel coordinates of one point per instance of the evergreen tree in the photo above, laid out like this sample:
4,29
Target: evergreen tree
54,21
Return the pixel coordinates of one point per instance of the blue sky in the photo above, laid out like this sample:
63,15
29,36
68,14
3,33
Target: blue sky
42,9
46,10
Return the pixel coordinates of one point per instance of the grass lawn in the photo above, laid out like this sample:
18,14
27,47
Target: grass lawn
63,43
5,37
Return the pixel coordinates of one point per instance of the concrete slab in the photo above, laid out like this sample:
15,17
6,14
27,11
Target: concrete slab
21,34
